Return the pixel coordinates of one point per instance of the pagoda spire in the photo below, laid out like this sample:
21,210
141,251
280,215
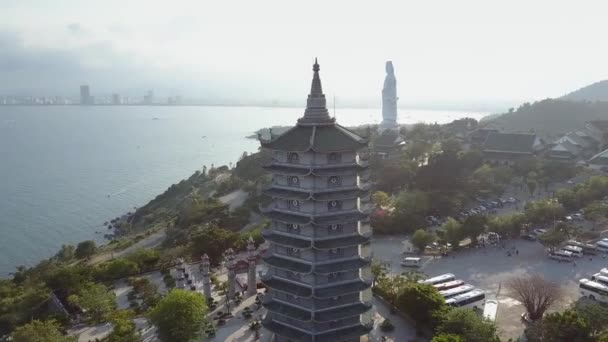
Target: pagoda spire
316,106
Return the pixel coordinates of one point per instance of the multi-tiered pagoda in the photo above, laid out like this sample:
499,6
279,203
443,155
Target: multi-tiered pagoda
319,274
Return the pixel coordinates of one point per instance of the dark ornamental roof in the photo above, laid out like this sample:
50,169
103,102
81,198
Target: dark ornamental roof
285,240
345,334
344,265
323,139
389,139
338,242
342,312
285,331
510,143
287,264
287,170
341,289
288,194
288,310
287,287
316,130
600,158
339,194
286,217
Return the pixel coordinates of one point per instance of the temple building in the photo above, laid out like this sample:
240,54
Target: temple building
319,276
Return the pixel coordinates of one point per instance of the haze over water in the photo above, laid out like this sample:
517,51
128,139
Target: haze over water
66,170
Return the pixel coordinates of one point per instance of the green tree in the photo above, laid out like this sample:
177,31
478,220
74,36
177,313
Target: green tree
421,302
453,233
447,338
467,324
553,238
180,316
474,226
213,241
596,317
95,300
116,269
40,331
124,330
85,249
421,239
66,253
381,199
145,258
561,326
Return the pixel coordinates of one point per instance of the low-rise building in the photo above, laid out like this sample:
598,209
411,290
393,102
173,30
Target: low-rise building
510,147
598,130
571,146
599,161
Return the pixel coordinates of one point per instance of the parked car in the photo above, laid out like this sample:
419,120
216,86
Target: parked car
511,200
577,216
529,237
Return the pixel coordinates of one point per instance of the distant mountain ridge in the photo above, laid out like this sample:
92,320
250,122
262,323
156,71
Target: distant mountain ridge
549,118
597,91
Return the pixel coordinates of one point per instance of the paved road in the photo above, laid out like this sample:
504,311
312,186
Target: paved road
154,240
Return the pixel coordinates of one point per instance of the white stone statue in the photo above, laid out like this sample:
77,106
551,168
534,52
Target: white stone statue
389,100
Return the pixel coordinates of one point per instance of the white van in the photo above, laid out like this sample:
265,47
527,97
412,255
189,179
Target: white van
561,255
576,251
411,262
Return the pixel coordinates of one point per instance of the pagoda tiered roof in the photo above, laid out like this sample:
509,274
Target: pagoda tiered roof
285,240
338,193
323,138
345,334
341,289
342,312
288,310
287,287
337,217
287,264
285,330
318,170
344,241
342,265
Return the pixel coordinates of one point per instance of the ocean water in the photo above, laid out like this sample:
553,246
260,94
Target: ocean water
64,170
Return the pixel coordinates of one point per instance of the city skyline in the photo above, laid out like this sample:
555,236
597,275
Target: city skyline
464,53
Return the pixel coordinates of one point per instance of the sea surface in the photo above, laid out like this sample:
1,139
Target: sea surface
65,170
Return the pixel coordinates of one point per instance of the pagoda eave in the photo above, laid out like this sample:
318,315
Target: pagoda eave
342,265
342,312
287,287
344,241
285,240
288,265
288,310
342,289
286,331
345,334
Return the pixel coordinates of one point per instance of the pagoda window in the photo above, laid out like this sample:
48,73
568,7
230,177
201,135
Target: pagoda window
294,205
293,158
334,181
293,228
293,251
334,205
334,158
294,181
334,228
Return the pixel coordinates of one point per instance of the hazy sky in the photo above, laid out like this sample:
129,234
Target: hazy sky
478,51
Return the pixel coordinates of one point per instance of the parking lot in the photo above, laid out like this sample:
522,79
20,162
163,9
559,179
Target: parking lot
490,268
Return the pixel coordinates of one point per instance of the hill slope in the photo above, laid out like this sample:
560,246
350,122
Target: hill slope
594,92
550,118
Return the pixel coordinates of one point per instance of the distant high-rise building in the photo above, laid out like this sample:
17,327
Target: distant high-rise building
149,97
85,95
116,99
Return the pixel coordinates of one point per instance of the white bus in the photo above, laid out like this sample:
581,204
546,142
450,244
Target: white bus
474,299
439,279
600,278
602,246
587,248
490,309
449,285
561,256
593,290
604,271
456,291
411,262
576,251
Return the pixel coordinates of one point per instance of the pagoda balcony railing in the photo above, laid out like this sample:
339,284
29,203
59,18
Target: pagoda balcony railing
346,281
295,233
303,165
329,233
338,301
338,277
324,258
320,188
335,325
307,326
293,300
